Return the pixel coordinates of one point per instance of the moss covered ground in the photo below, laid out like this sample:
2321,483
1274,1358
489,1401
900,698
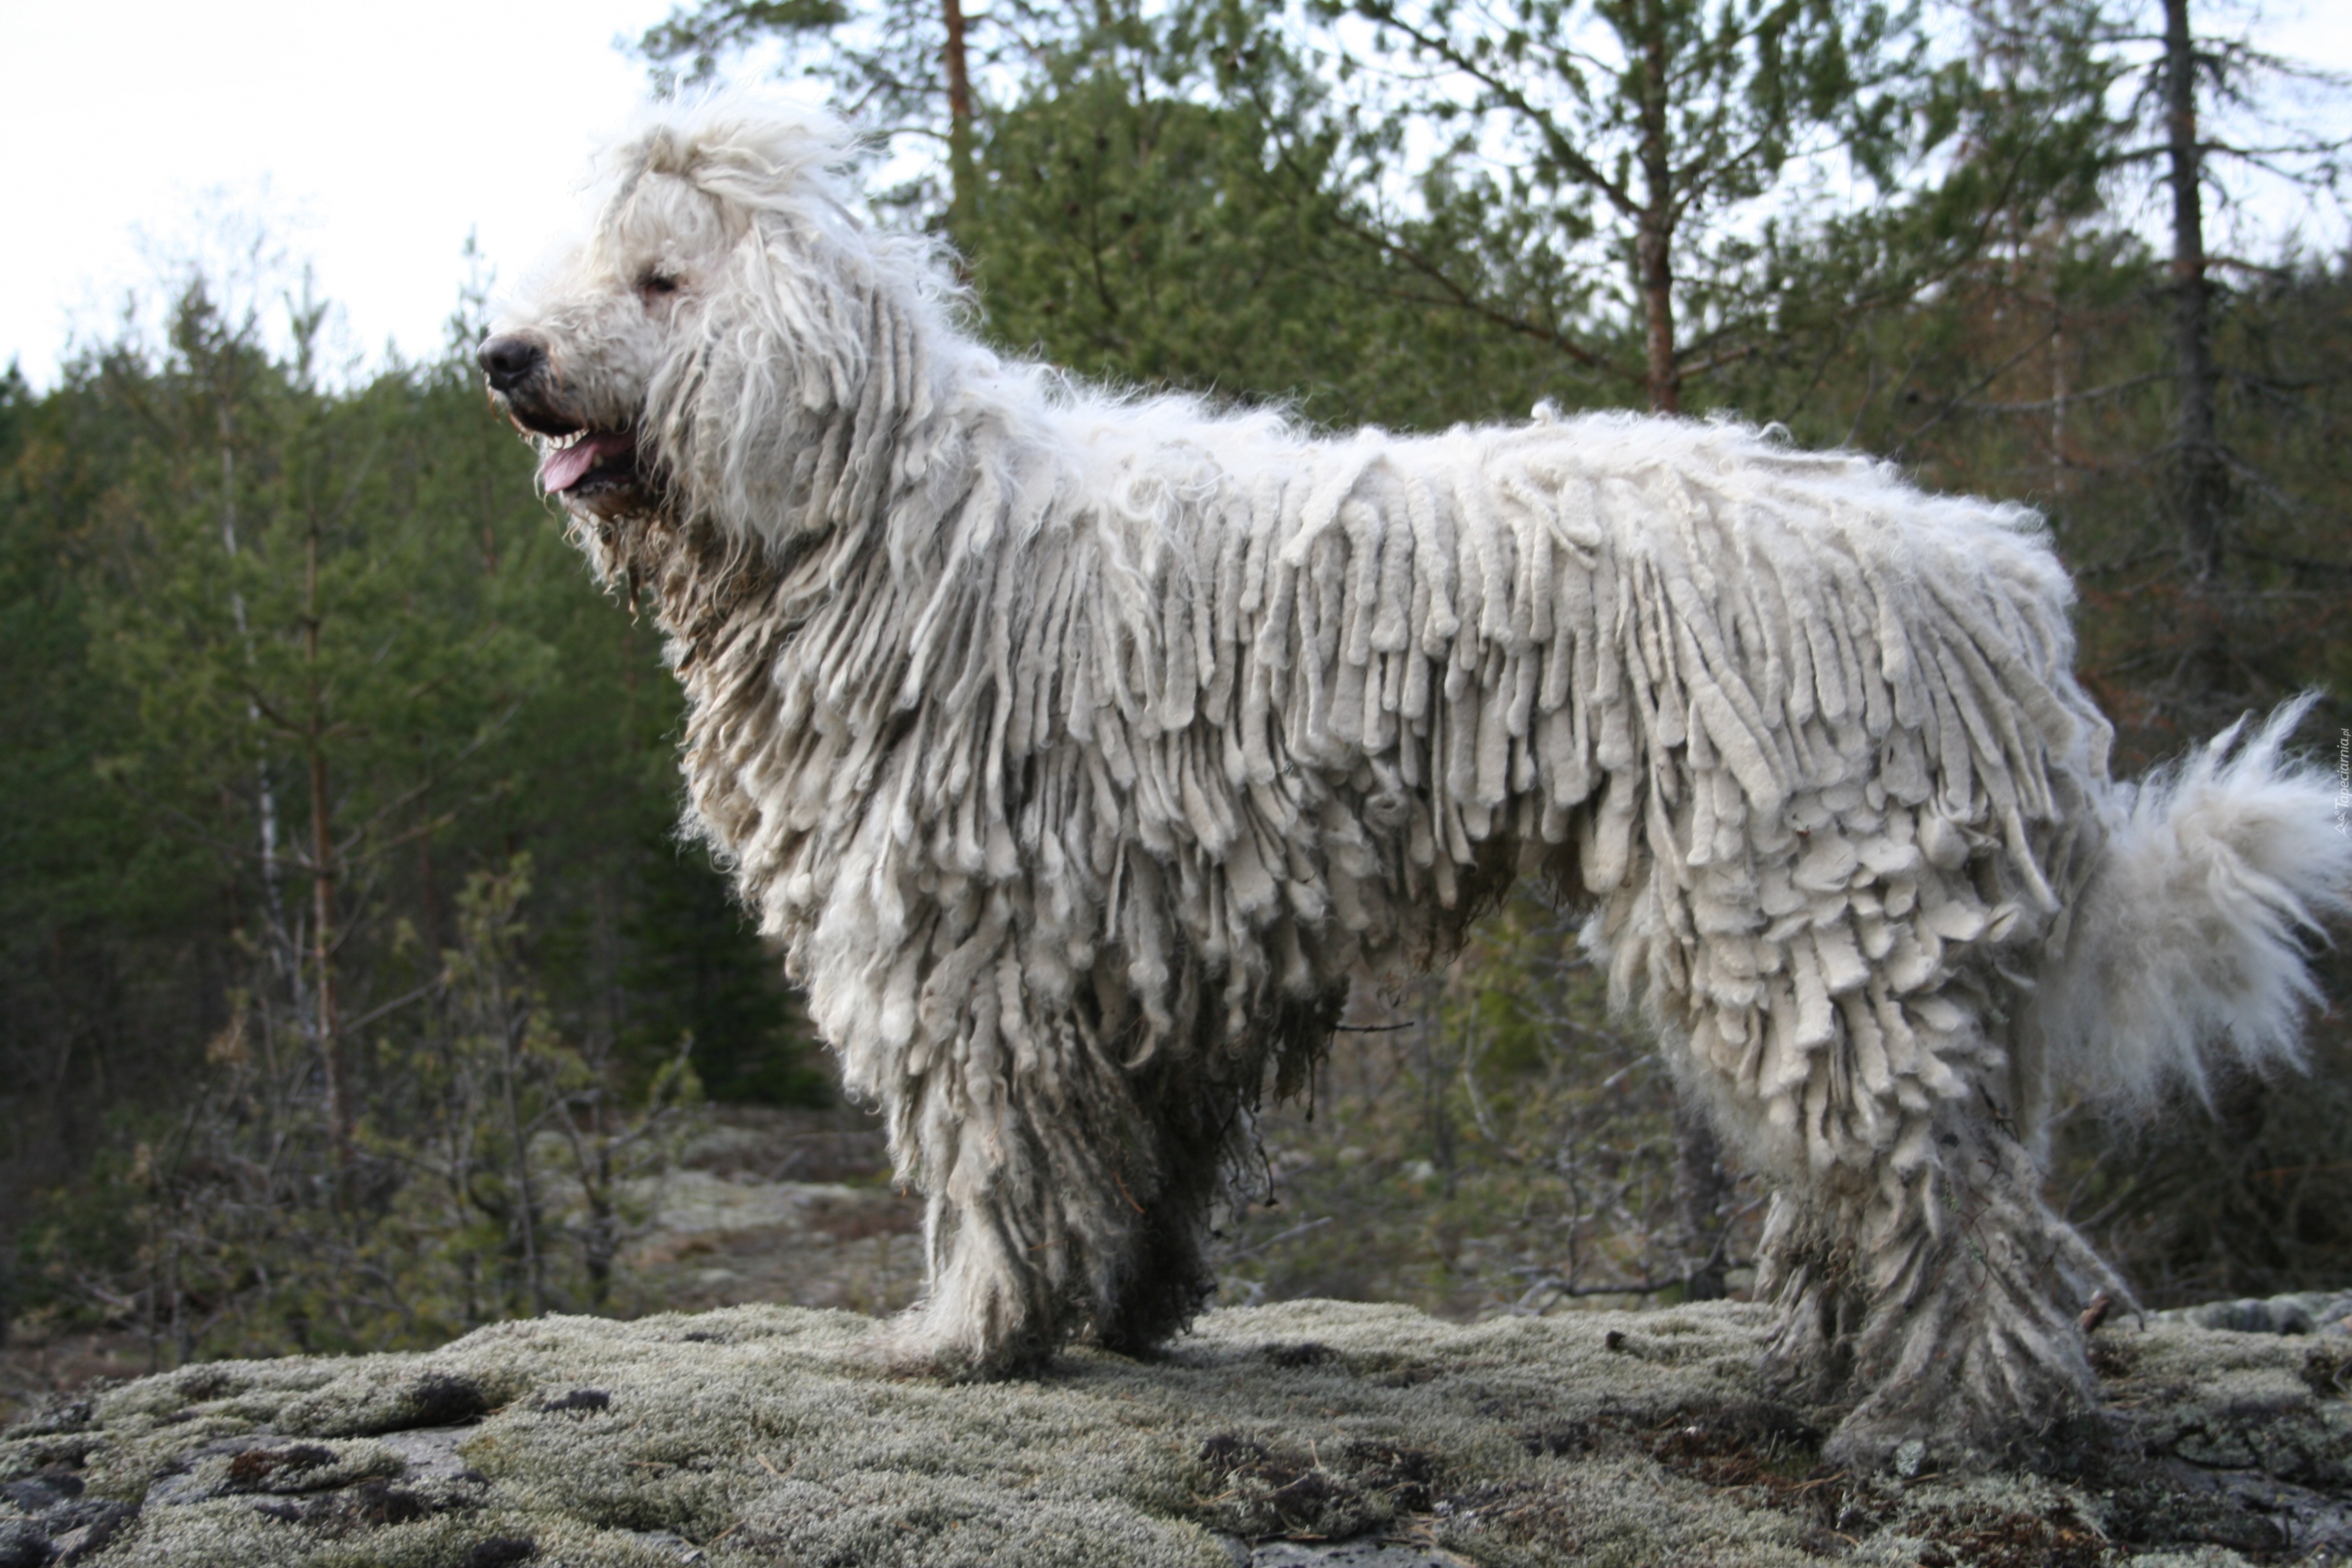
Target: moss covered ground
770,1435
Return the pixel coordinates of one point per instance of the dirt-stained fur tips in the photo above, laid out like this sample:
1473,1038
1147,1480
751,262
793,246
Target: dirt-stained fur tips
1080,748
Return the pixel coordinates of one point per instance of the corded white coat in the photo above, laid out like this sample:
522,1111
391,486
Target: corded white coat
1080,748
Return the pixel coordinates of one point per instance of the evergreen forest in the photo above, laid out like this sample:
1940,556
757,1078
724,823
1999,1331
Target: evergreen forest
355,980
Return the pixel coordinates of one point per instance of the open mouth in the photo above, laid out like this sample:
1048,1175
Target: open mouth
584,462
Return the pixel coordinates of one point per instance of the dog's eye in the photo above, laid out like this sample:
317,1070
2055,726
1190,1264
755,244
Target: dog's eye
655,284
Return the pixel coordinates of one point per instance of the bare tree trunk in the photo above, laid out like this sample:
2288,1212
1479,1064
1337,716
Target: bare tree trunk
510,1049
2201,473
1698,1159
283,951
2204,475
961,176
428,891
1435,1074
1664,377
322,909
1700,1188
1654,241
601,1243
2061,385
322,875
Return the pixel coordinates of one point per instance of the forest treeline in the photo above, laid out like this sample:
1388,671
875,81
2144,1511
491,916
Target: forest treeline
352,967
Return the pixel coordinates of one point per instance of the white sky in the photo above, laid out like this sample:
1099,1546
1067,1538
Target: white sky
367,140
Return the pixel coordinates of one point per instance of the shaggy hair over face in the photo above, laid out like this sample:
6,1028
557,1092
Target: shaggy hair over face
1080,749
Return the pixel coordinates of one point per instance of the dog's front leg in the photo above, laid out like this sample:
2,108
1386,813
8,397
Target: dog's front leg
1064,1191
1004,1242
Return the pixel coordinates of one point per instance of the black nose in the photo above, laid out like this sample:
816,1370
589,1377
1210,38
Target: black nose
509,359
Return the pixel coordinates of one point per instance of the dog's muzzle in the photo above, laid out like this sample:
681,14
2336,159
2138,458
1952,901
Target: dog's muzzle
509,360
587,465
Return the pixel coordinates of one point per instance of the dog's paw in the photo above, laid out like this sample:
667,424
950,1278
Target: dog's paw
1898,1449
909,1347
915,1344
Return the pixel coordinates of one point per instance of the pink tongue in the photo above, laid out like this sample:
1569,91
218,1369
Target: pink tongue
562,468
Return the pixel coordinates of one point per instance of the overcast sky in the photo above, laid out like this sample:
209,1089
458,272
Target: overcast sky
368,141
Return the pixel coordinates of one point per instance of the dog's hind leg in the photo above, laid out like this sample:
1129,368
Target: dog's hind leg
1163,1278
1191,1128
1933,1287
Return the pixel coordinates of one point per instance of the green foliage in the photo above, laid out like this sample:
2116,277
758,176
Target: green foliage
1128,237
296,662
1152,209
1137,236
530,1154
280,550
1585,154
2251,1195
717,990
496,1175
1490,1143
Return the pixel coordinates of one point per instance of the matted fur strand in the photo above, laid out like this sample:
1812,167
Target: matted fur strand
1081,749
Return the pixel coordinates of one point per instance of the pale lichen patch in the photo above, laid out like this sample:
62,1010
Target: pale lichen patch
758,1435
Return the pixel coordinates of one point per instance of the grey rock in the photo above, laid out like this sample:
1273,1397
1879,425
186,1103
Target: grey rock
2300,1312
430,1454
23,1544
1350,1554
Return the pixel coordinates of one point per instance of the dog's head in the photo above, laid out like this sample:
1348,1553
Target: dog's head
719,318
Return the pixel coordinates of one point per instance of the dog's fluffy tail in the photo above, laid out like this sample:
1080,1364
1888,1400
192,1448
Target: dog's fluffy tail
2191,935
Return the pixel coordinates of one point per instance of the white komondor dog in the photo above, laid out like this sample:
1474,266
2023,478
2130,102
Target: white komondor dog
1080,748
